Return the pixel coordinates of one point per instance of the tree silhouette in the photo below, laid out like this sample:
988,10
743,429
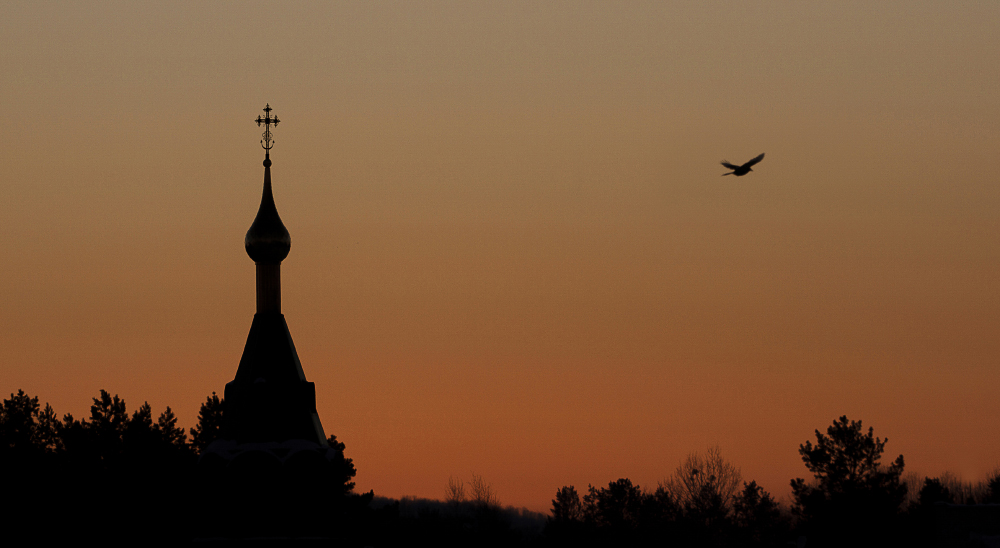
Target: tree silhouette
75,439
853,499
343,468
455,492
29,456
992,494
139,439
566,507
168,432
757,518
617,506
704,487
209,423
108,421
565,526
483,494
934,491
25,428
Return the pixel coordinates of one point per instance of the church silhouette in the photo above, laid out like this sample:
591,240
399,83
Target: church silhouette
270,418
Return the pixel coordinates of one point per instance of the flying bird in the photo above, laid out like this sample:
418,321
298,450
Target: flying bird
742,170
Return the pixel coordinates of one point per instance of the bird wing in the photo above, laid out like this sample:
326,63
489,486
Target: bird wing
730,166
754,161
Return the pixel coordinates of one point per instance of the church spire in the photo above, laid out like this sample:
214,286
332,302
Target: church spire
270,399
267,241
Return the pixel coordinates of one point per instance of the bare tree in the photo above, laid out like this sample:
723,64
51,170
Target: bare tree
704,485
482,493
456,491
914,483
962,492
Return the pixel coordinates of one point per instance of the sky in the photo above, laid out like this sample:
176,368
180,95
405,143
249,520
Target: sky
513,253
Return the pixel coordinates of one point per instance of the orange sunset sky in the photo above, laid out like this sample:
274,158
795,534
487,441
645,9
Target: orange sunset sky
512,251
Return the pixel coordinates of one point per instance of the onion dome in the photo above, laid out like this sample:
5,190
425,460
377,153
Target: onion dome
268,241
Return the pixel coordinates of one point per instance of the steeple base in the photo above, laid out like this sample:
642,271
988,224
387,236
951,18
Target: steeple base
270,399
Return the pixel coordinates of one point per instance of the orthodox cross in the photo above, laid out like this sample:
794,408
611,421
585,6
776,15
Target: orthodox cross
267,120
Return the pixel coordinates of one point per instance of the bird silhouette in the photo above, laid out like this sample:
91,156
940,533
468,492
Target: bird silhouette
742,170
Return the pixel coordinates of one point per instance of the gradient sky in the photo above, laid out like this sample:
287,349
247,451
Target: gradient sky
513,253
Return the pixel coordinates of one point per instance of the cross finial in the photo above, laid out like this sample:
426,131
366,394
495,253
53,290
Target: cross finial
266,143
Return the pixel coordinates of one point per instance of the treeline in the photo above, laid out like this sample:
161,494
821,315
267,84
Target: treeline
852,499
703,504
126,476
108,439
